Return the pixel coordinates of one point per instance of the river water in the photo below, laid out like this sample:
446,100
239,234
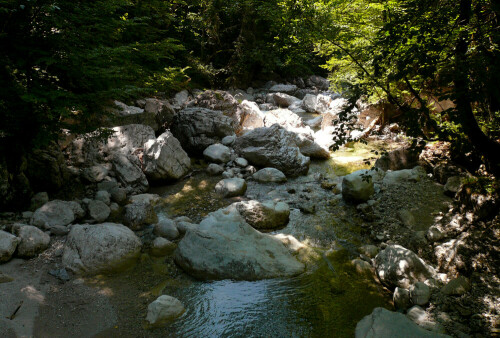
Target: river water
326,301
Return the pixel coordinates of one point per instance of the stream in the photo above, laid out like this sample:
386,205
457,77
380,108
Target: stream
327,300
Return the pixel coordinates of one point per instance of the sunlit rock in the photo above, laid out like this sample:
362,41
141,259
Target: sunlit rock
100,248
225,246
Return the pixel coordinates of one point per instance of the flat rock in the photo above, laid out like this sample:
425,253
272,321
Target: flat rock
225,246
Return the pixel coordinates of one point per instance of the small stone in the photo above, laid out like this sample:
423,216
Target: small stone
434,234
231,187
369,250
119,195
420,293
61,274
362,267
241,162
217,153
407,218
164,309
420,317
5,278
214,169
104,196
456,287
162,247
137,215
99,211
228,140
166,228
269,175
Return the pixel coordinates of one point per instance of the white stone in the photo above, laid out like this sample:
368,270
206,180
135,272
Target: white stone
164,309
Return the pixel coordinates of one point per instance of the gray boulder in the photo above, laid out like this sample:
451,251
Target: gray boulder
282,99
98,211
165,159
225,246
398,266
214,169
231,187
217,153
273,147
453,185
138,215
95,173
420,293
382,323
144,198
32,240
197,128
309,103
100,248
318,82
166,228
104,196
56,213
8,244
456,287
358,186
163,309
129,173
269,175
402,158
266,215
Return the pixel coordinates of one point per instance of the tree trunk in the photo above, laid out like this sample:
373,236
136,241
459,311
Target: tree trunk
488,148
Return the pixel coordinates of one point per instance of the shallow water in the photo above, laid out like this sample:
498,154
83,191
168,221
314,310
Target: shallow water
328,300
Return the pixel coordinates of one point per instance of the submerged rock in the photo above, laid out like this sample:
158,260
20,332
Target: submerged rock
100,248
164,309
225,246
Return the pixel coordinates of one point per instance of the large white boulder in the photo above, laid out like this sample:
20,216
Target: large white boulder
225,246
8,244
273,147
165,159
398,266
100,248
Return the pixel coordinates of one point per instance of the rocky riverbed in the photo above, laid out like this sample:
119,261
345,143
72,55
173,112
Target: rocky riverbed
224,213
